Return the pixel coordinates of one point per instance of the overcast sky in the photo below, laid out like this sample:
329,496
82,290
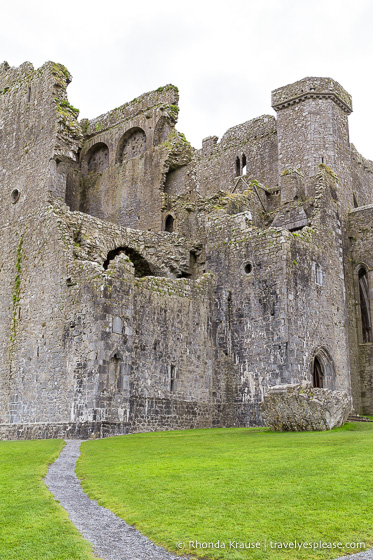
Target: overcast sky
225,57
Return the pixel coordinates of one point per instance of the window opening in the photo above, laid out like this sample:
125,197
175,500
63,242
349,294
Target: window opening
244,170
319,275
318,373
172,378
366,324
169,224
238,167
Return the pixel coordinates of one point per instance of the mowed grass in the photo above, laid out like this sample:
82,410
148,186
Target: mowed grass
32,525
242,485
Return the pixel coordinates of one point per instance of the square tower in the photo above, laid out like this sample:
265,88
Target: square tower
312,127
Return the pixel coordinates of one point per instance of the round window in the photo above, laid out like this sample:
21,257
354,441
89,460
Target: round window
15,195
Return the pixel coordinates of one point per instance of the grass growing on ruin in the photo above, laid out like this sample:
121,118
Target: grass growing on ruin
33,526
242,485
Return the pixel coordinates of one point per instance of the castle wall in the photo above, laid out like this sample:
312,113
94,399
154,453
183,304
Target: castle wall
35,130
362,178
33,384
317,306
360,235
216,166
182,283
250,323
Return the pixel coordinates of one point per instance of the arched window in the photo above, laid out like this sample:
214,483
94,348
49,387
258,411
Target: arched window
238,167
317,373
97,158
169,224
132,144
366,322
244,170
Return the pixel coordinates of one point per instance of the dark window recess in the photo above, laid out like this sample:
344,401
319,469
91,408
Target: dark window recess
169,224
248,268
238,167
15,195
318,373
356,204
366,323
244,170
98,158
114,380
142,267
319,275
172,378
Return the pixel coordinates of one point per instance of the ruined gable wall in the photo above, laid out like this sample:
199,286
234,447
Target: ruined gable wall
214,167
124,184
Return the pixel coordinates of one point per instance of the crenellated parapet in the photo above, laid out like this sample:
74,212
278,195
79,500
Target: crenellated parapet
312,88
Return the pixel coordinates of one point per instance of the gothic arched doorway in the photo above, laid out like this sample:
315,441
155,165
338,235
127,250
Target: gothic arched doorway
317,373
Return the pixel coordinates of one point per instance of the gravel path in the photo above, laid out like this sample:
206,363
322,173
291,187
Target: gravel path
112,538
367,555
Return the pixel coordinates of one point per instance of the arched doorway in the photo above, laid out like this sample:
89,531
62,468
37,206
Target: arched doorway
169,224
317,373
322,370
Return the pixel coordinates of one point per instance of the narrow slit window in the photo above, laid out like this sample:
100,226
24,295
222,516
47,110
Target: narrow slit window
319,275
238,167
244,167
366,323
172,378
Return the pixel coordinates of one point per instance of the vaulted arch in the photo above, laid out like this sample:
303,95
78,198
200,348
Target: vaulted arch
132,144
141,265
97,158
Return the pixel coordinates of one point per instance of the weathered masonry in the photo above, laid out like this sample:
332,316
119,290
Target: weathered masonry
147,285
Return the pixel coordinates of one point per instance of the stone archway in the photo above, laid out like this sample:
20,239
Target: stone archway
322,369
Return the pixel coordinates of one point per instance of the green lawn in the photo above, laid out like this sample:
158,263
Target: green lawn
32,525
242,485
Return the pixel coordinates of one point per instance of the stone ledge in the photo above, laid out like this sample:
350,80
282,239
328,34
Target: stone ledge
70,430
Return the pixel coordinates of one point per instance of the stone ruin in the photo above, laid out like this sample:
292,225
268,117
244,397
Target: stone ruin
147,285
301,407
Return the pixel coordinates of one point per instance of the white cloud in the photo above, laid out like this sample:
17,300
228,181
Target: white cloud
225,58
